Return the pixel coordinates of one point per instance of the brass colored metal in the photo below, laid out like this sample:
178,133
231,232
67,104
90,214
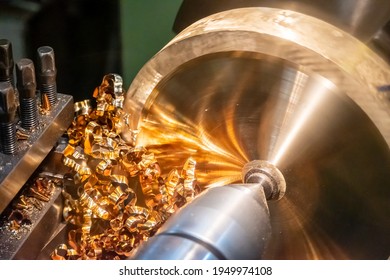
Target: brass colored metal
279,86
361,18
45,104
30,219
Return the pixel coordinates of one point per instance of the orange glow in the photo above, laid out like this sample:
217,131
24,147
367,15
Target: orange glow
173,139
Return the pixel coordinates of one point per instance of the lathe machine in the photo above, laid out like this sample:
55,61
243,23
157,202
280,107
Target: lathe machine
258,132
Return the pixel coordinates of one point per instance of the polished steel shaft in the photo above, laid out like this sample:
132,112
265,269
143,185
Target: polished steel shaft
225,222
230,222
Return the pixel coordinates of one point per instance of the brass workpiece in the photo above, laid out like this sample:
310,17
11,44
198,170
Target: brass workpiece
289,89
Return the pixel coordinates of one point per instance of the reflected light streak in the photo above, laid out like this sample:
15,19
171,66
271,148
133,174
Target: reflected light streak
317,96
306,241
307,237
230,111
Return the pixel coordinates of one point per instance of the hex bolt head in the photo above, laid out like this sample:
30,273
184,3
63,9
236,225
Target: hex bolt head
7,103
47,74
6,61
25,74
47,66
26,84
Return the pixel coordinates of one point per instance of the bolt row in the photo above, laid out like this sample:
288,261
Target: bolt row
26,89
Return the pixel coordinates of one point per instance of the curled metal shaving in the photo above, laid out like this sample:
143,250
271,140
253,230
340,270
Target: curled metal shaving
118,196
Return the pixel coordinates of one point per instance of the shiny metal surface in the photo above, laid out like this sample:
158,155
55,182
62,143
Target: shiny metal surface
268,175
210,227
16,169
381,42
276,85
361,18
27,244
33,238
161,248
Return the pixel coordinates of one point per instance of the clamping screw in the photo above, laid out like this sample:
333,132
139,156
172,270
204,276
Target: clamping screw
47,74
8,140
26,85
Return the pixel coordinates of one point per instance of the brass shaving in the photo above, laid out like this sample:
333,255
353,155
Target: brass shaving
118,197
33,197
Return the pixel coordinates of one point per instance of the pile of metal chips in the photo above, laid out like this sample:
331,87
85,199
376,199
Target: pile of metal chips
115,195
32,199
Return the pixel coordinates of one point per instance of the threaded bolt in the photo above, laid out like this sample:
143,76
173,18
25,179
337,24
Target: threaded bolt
47,74
8,138
8,143
26,85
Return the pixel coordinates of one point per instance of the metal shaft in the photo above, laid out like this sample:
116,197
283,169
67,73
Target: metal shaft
227,222
230,222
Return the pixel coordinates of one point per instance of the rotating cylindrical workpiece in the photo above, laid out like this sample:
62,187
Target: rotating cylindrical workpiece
361,18
301,94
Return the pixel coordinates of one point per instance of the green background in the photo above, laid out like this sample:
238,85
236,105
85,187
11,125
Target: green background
146,26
